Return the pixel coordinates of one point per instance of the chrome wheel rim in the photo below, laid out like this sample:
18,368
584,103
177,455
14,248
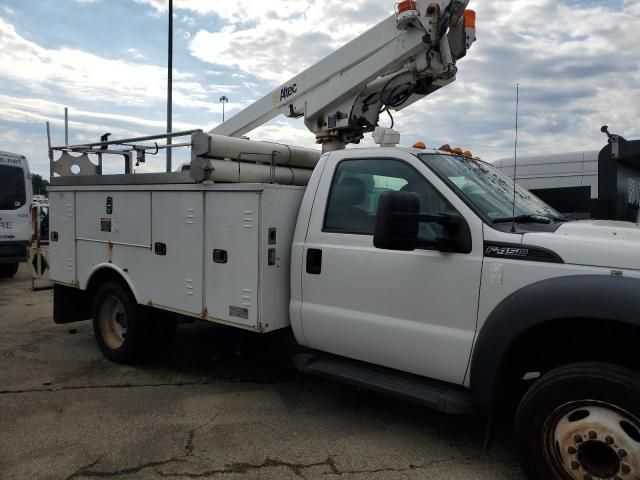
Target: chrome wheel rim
113,322
593,440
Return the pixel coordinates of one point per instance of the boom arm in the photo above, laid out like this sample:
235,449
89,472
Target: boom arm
399,61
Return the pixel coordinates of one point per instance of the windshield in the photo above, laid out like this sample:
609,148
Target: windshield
487,189
13,194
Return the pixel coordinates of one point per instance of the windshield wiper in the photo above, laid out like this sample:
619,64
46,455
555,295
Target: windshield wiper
530,218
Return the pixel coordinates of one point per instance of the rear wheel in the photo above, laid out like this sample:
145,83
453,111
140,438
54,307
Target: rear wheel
8,270
581,422
120,329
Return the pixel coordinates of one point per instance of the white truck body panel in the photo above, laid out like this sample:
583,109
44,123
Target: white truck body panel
574,242
160,239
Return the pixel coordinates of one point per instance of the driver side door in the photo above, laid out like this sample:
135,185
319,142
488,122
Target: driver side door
412,311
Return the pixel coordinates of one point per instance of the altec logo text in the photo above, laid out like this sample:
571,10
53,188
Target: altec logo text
286,92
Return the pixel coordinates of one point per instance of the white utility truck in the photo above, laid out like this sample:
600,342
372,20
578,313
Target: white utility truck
15,218
404,270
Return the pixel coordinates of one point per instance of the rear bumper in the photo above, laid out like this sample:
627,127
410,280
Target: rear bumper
13,252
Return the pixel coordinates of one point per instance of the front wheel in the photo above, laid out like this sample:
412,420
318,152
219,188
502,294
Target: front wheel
8,270
581,422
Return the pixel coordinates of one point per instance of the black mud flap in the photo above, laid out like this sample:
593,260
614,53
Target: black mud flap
70,304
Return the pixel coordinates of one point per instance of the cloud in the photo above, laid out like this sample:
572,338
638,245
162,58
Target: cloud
137,54
239,11
281,39
25,110
576,63
276,53
86,76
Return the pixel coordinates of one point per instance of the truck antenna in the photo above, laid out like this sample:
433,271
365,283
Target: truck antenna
515,161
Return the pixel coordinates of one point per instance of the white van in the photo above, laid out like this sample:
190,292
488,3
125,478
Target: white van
15,202
600,185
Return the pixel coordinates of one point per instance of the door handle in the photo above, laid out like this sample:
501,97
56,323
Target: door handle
314,261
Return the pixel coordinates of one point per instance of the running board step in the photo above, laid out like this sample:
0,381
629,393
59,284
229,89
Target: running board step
423,391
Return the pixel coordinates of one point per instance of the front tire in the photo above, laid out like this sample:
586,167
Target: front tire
581,422
119,327
8,270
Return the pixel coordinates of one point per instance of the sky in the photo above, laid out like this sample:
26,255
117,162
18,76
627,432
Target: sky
577,63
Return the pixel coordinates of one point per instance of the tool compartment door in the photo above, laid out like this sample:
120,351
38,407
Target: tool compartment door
62,227
176,264
232,246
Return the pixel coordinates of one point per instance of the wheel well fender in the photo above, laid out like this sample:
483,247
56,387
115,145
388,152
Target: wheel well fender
72,304
107,271
547,306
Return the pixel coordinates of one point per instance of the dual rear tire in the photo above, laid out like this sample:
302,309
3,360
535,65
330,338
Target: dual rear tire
126,332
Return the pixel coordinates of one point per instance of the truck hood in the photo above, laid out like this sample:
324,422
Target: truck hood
600,243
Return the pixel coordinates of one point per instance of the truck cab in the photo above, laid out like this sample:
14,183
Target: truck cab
15,201
464,277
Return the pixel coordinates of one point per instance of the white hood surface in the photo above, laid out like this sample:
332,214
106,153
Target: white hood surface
602,243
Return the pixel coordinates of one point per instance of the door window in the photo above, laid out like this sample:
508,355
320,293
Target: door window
356,189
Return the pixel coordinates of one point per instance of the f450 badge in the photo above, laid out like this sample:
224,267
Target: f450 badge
495,251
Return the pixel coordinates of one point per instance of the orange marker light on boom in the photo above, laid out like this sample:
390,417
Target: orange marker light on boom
469,18
406,6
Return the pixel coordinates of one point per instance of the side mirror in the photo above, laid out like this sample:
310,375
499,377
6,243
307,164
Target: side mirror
397,221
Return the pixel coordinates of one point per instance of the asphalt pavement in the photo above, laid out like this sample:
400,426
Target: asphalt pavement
221,404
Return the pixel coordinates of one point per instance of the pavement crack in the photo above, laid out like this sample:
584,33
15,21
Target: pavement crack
244,468
401,469
298,468
77,472
191,434
132,385
98,387
87,471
